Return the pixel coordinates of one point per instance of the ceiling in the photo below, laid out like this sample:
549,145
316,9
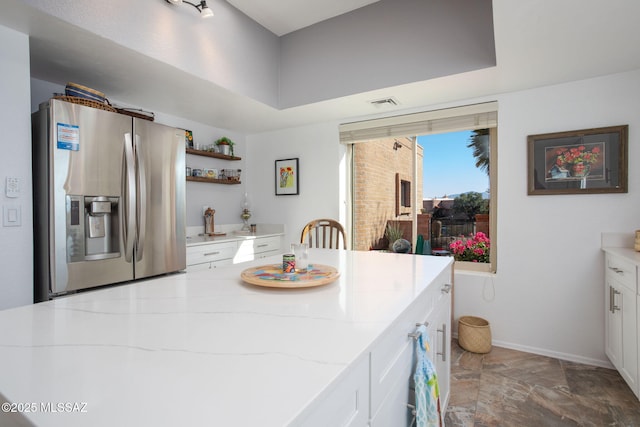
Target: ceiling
284,16
537,42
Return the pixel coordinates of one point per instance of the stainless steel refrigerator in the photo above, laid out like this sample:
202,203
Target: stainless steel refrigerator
109,198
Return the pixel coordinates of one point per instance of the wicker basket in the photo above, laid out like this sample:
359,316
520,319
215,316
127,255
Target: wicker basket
474,334
85,102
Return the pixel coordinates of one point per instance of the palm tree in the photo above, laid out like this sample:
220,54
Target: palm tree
479,141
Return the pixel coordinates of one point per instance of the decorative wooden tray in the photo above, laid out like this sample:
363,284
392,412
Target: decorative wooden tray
271,276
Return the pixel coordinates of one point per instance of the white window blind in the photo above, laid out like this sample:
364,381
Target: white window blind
469,117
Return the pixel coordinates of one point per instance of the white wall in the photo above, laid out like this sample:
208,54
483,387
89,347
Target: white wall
320,158
16,248
547,296
549,290
227,200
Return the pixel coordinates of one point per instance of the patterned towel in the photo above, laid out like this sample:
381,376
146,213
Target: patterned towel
427,392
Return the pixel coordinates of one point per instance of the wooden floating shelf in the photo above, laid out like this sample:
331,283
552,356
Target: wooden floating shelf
211,154
212,181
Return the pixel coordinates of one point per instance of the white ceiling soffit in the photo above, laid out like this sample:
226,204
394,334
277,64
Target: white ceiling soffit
284,16
534,47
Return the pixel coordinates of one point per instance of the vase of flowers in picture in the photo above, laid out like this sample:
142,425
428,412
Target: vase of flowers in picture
577,159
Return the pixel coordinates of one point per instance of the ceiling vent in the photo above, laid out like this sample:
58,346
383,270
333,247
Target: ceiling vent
384,102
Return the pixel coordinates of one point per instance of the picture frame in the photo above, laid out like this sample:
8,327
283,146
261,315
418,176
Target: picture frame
588,161
287,177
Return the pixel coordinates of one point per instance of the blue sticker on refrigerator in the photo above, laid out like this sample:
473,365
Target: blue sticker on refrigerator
68,137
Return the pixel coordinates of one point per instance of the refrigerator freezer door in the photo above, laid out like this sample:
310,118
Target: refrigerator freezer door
86,148
160,161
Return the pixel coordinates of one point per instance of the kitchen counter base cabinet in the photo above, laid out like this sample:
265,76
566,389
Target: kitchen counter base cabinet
346,404
393,358
211,350
209,255
203,257
621,323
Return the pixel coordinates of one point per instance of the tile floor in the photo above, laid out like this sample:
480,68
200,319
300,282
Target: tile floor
510,388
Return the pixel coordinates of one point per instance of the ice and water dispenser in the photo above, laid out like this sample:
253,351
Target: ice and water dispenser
93,230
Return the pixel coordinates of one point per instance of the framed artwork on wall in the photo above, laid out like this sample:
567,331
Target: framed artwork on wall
287,177
578,162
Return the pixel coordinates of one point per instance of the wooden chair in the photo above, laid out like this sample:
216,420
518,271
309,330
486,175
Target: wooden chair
323,233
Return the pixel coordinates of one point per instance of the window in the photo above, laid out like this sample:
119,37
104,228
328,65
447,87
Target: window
382,133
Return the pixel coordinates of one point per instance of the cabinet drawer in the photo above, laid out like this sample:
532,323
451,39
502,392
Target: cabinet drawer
256,246
392,354
346,404
622,271
213,252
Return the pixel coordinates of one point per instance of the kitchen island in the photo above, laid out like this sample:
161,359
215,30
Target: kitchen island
204,348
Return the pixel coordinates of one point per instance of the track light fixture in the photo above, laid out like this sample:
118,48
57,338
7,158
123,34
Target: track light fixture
204,10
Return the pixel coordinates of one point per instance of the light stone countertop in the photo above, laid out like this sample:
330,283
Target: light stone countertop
204,348
620,244
195,236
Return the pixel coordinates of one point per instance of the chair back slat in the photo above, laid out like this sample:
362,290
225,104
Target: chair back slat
324,233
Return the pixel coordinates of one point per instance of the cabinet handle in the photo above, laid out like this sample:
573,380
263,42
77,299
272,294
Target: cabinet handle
212,253
444,342
615,292
416,335
446,288
617,270
611,298
263,245
413,413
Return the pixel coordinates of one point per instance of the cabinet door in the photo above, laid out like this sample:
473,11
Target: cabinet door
613,325
442,346
629,367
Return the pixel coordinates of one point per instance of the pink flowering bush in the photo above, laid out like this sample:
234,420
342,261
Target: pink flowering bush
474,248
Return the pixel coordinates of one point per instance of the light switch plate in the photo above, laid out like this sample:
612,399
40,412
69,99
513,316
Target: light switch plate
12,186
11,216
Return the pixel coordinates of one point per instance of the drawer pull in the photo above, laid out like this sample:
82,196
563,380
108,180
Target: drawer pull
264,245
614,307
416,335
617,270
212,253
444,342
446,288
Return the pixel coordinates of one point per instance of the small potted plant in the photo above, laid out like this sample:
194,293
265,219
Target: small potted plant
393,232
475,248
225,145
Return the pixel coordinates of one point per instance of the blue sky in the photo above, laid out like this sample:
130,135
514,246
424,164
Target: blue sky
449,166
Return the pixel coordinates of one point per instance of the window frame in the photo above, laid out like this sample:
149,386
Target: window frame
470,117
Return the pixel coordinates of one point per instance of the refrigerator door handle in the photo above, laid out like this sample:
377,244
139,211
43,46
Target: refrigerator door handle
129,192
142,202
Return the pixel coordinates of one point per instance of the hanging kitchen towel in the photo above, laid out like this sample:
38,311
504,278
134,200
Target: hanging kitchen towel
427,392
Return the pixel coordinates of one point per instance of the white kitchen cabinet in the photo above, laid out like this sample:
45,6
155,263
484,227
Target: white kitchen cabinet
440,332
347,403
203,257
393,357
257,248
621,322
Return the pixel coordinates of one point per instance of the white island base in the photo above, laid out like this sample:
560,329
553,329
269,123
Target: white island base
206,349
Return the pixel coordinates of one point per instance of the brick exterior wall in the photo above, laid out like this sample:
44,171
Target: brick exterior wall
376,164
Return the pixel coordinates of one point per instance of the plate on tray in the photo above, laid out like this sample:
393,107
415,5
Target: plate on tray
271,276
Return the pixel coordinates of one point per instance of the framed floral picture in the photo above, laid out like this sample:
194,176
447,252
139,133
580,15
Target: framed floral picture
578,162
287,177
